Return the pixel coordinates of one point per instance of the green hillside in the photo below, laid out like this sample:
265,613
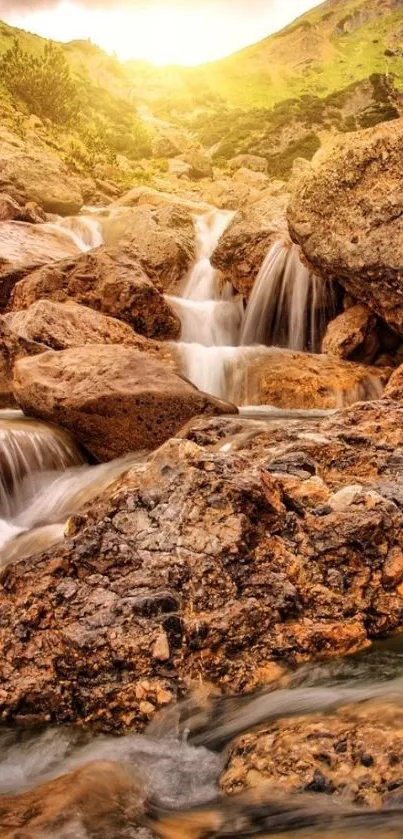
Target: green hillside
326,50
338,67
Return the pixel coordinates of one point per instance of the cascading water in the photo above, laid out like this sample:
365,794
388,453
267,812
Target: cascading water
225,350
290,306
44,479
84,231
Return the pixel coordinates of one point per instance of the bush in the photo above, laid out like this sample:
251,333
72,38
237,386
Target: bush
43,82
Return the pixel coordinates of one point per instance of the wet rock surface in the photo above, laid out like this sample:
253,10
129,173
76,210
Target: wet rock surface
290,379
346,213
212,564
355,755
114,399
109,280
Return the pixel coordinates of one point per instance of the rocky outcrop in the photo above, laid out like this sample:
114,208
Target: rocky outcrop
352,335
29,172
288,379
109,280
113,399
245,243
238,545
161,239
346,213
355,754
24,247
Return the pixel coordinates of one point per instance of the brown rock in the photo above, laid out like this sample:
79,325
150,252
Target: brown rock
352,335
248,161
217,549
394,388
60,326
289,379
100,797
347,212
355,754
113,399
161,239
31,173
245,243
9,208
200,164
23,247
108,280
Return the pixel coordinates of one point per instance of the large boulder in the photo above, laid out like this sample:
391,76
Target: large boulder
162,239
288,379
346,212
113,399
109,280
246,242
239,545
29,172
60,326
24,247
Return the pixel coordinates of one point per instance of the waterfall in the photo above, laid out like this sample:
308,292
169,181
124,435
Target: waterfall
229,352
290,306
43,481
84,231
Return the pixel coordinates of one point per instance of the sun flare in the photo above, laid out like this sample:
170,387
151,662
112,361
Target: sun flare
162,32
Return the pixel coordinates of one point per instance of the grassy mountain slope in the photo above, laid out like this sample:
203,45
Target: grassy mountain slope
338,67
327,49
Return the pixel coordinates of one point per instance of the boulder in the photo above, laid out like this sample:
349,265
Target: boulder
239,545
347,215
352,335
24,247
32,173
245,243
394,388
113,399
60,326
200,164
162,239
109,280
9,208
248,161
288,379
354,754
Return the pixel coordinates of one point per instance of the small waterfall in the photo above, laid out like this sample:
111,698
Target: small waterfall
203,280
210,322
26,448
43,481
289,306
84,231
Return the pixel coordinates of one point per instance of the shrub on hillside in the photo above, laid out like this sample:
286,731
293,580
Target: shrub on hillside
44,82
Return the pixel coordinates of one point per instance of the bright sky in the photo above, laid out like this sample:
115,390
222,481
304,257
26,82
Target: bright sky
184,32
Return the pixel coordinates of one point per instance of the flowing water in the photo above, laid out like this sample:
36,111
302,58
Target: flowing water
226,350
44,479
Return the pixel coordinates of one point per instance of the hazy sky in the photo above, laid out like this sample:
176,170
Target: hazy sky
161,31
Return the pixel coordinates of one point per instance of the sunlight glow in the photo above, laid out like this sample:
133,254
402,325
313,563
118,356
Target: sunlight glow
165,33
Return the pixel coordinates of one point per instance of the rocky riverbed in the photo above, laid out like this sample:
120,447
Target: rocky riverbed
223,536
